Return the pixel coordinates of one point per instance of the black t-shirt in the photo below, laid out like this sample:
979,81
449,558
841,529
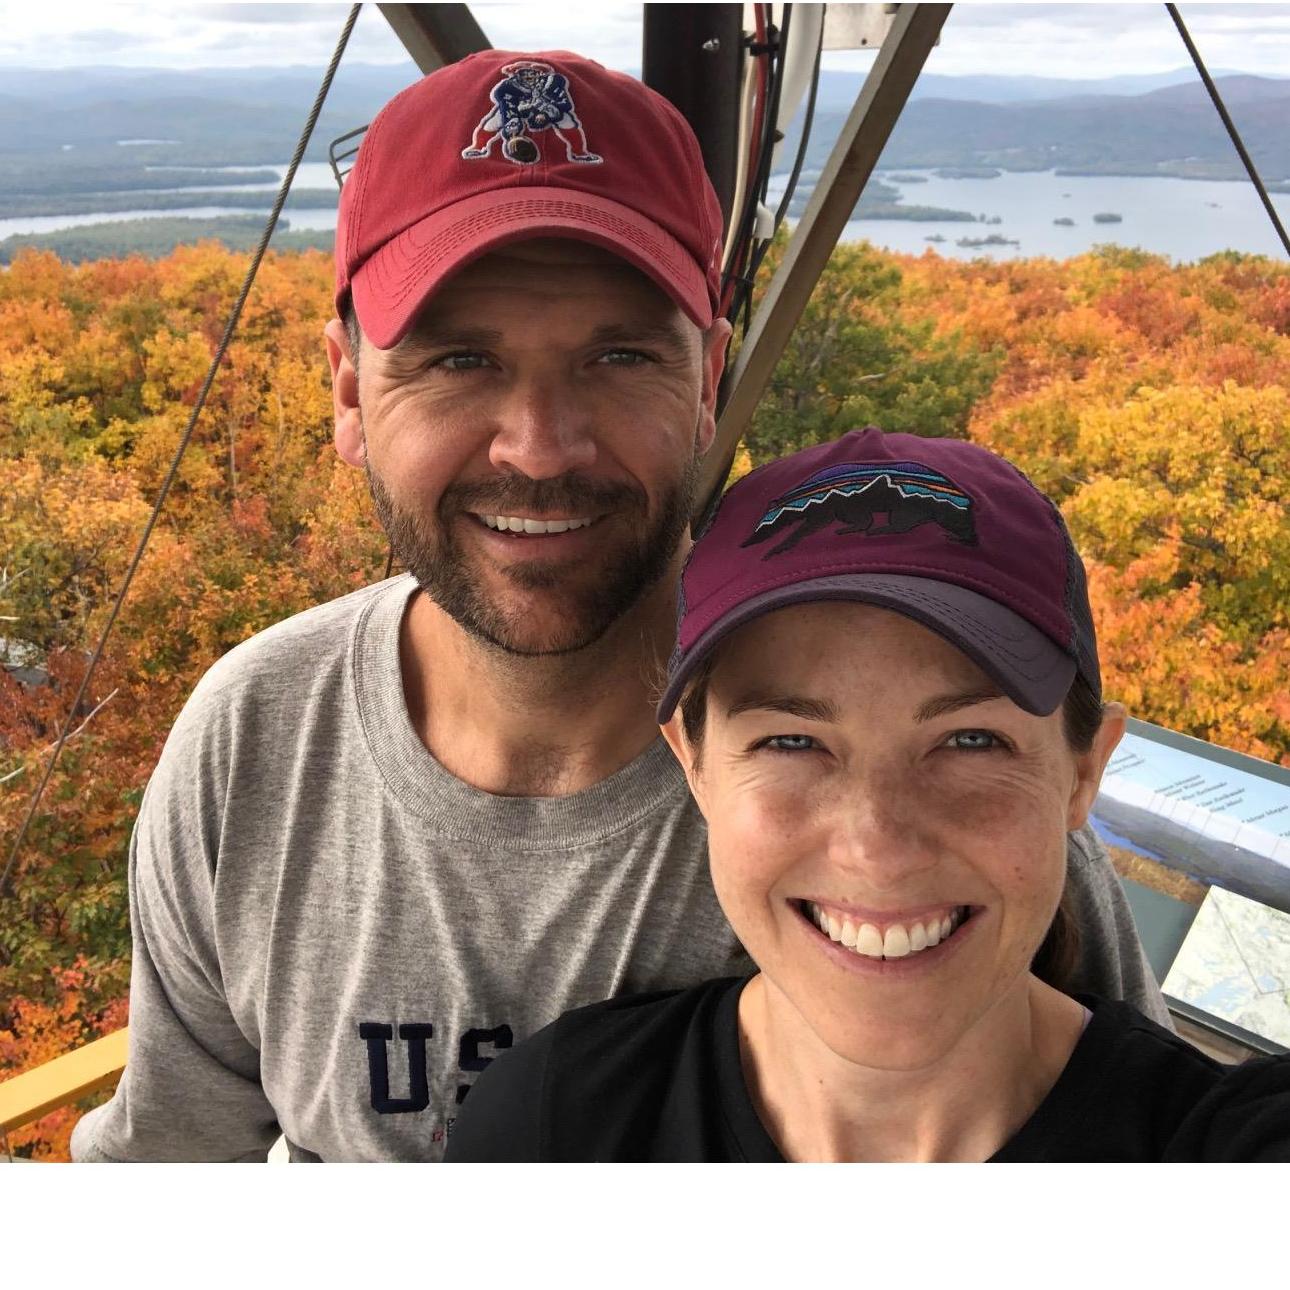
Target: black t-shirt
657,1077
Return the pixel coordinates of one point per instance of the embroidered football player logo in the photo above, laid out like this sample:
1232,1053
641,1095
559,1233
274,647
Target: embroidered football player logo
531,98
867,498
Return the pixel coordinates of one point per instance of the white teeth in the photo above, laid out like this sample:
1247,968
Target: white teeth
898,943
895,945
516,524
869,941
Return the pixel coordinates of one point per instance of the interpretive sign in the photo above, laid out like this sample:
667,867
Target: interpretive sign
1218,815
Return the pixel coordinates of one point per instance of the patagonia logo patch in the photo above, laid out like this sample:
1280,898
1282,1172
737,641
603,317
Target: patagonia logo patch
875,499
530,98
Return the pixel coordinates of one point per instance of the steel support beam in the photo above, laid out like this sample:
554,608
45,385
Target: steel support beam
882,98
435,34
691,55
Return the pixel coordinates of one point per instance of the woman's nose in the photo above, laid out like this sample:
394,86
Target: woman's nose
882,835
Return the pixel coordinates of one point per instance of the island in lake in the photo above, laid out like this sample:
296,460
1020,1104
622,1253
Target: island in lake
968,172
1108,217
992,239
1065,221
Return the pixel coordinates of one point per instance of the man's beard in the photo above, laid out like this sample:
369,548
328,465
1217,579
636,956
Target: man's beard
443,572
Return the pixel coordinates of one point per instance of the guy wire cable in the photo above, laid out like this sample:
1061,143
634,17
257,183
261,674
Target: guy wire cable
1231,128
229,328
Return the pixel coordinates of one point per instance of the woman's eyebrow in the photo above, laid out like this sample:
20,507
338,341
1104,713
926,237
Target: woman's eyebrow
945,703
793,705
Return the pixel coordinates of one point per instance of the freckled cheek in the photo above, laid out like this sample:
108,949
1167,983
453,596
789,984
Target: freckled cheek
755,842
989,809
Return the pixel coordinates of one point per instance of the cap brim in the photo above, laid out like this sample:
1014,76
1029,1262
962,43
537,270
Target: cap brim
393,284
1027,665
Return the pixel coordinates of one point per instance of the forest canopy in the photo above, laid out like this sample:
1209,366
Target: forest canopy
1149,400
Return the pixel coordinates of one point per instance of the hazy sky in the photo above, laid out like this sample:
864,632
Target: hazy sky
1069,40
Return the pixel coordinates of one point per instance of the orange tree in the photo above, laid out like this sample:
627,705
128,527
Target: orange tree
99,368
1149,399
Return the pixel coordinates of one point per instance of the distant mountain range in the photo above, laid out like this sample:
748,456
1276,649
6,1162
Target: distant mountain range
60,129
1170,130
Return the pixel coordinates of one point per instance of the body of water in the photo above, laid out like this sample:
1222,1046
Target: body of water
1181,218
1184,219
300,221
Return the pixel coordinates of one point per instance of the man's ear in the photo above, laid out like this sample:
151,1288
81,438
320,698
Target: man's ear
674,733
348,433
715,342
1090,765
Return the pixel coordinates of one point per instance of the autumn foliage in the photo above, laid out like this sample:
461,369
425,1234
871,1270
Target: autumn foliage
1149,399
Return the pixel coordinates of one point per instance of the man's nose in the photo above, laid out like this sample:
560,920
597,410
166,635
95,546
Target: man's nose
541,430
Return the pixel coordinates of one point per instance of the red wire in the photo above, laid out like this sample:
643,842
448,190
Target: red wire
761,13
763,65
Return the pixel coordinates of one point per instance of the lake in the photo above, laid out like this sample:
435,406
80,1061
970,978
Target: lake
1181,218
1184,219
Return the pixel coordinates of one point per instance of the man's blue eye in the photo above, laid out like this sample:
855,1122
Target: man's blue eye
460,362
789,743
624,357
974,740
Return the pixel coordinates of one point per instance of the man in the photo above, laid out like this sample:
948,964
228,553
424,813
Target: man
406,829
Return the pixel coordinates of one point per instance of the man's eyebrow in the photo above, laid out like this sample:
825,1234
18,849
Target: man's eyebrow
654,333
432,336
793,705
942,704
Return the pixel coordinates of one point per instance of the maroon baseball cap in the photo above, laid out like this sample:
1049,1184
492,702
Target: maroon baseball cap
942,531
505,146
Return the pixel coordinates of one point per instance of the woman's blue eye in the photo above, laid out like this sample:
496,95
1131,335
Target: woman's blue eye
974,740
789,743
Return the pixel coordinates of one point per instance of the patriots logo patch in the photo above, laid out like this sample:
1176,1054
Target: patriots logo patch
532,97
858,495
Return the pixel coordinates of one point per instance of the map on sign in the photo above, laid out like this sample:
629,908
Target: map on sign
1235,964
1219,815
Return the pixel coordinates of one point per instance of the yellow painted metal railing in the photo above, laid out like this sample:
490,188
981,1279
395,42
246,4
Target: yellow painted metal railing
28,1096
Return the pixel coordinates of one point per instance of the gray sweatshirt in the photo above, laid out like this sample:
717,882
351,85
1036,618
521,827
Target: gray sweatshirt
333,935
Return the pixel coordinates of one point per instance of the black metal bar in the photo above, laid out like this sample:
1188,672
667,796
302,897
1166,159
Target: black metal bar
882,98
691,55
1231,127
435,34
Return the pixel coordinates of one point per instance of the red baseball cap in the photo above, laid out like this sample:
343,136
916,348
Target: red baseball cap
505,146
940,530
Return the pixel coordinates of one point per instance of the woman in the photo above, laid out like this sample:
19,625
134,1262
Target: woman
886,697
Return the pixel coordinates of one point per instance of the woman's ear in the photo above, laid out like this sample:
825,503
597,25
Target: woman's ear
1090,765
687,755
